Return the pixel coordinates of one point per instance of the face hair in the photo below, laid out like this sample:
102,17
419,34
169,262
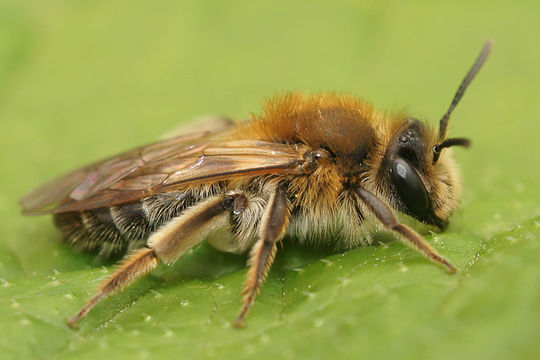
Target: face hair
464,84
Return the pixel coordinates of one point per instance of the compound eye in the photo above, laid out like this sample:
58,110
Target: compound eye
410,188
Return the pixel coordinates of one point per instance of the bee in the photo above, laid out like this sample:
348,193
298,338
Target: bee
314,167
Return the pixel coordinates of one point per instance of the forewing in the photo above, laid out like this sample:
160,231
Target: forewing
85,182
165,166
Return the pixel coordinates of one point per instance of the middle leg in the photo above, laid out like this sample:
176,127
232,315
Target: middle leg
273,226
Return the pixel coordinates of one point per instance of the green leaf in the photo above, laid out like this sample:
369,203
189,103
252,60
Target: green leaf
83,80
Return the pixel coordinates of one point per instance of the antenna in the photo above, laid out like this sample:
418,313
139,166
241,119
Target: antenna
464,84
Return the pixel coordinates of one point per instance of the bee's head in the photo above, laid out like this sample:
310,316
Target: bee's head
418,186
422,178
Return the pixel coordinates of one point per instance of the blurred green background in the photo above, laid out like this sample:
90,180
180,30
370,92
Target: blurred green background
80,80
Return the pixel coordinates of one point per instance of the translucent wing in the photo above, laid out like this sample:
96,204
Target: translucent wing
165,166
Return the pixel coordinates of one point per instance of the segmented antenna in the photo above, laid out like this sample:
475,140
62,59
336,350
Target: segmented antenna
448,143
464,84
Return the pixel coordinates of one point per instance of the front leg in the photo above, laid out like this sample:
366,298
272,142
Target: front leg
274,223
386,216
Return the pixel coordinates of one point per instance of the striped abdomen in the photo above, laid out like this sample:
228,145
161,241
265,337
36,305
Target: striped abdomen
113,230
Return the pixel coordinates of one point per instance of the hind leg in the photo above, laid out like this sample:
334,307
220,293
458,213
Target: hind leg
169,243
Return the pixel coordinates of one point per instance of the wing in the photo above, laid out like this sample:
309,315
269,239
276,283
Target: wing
165,166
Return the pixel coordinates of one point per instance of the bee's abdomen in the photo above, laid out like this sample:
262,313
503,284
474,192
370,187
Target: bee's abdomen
131,220
111,231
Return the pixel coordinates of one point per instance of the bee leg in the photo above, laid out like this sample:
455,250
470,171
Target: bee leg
274,222
387,217
134,266
168,243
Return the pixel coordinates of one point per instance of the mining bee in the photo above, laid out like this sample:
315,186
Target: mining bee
310,166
